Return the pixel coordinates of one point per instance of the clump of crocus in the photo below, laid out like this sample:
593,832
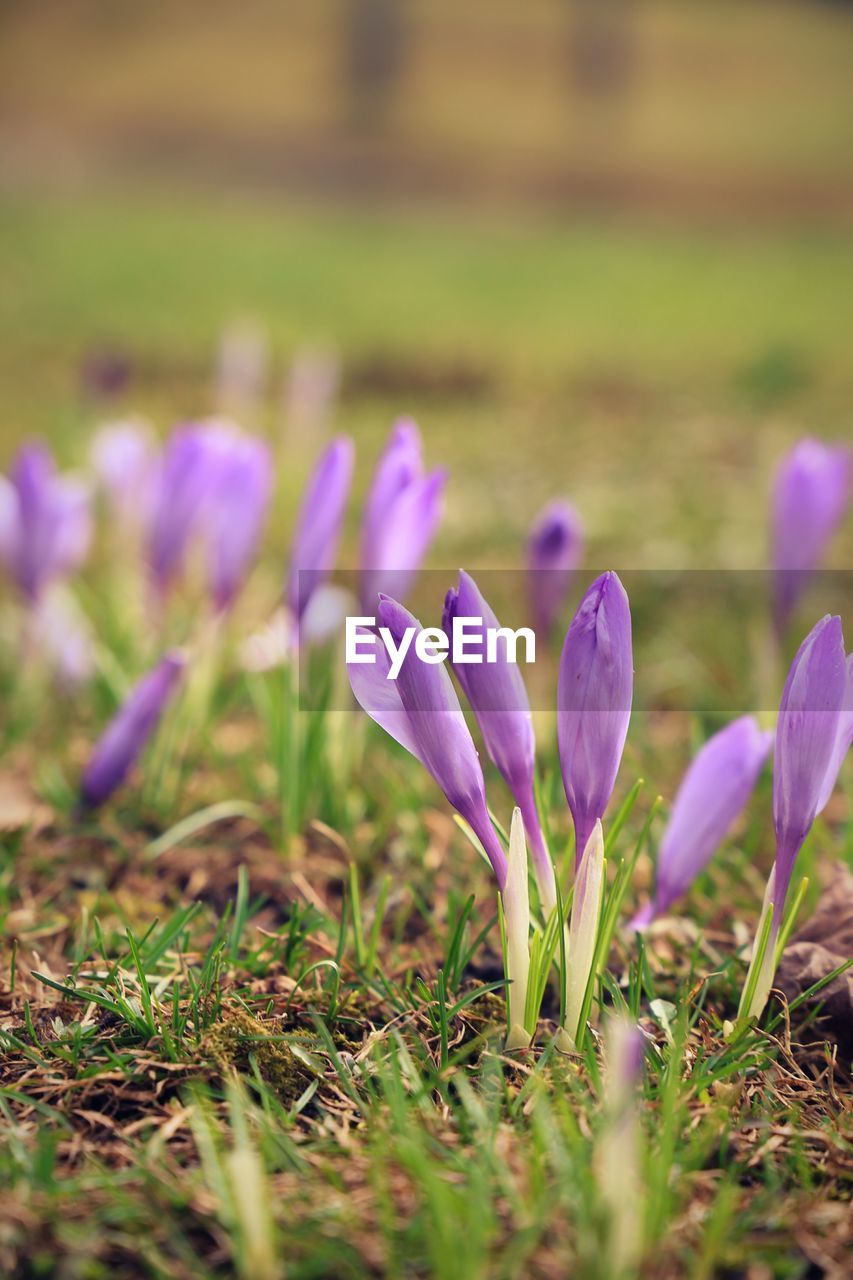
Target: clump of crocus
213,486
594,696
129,731
554,551
45,524
318,525
812,737
401,515
421,711
811,492
499,699
713,793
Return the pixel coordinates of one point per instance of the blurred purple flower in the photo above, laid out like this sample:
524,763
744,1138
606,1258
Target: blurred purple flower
188,473
45,524
811,491
421,711
806,760
318,525
62,636
123,457
712,795
235,513
401,514
499,699
554,552
105,372
594,695
129,731
310,390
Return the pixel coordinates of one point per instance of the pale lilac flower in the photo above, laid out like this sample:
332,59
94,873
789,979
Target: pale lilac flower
124,459
401,515
554,552
811,492
45,523
318,525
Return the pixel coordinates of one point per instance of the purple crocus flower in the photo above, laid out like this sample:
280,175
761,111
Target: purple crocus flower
554,551
401,514
45,524
806,761
499,699
188,473
123,457
318,525
594,695
235,515
129,731
812,727
421,711
713,793
811,491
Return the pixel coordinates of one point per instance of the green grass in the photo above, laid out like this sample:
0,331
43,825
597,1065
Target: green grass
251,1021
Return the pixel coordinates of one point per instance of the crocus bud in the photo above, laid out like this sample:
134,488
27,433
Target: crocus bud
712,795
594,694
188,472
806,734
129,731
554,552
805,765
499,699
586,909
318,525
811,491
123,458
421,711
516,907
401,514
241,371
45,525
235,515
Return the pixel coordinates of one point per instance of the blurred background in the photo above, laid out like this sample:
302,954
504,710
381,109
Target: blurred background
599,248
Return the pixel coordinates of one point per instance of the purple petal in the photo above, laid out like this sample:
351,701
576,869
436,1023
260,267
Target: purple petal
318,525
554,552
123,457
47,526
435,730
401,514
188,472
236,515
810,495
843,739
594,695
129,731
712,795
806,734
